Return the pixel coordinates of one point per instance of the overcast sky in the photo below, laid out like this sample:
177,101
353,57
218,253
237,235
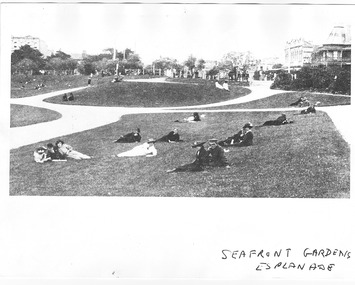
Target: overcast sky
206,31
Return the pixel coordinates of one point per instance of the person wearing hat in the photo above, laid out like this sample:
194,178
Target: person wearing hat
134,136
39,155
217,156
281,120
232,139
146,149
247,138
201,160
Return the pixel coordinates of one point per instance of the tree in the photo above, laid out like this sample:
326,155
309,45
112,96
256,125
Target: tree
165,63
277,66
190,62
26,52
25,66
133,62
201,64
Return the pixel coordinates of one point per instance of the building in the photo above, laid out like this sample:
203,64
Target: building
298,53
33,42
336,50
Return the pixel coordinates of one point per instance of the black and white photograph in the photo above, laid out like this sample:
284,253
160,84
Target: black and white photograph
176,141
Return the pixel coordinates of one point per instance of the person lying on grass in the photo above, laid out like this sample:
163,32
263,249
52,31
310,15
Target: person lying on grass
54,154
201,160
232,139
69,152
192,119
281,120
242,138
302,101
147,149
171,137
310,109
134,136
217,156
40,155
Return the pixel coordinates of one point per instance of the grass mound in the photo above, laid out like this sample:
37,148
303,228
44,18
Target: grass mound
143,94
307,159
22,115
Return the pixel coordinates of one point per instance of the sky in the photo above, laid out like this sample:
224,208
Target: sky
205,31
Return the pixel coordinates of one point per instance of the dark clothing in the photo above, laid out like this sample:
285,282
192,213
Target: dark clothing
246,140
279,121
129,138
297,102
232,140
71,97
196,117
65,97
309,110
55,154
174,137
202,158
218,157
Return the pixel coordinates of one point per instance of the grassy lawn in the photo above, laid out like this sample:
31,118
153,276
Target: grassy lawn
142,94
51,82
22,115
307,159
283,100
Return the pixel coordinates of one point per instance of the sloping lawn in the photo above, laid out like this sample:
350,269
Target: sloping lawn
22,115
283,100
51,82
307,159
142,94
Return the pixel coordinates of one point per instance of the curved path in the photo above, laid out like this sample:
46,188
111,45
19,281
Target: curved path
77,118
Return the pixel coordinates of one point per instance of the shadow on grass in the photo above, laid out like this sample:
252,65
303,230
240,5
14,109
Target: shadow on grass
307,159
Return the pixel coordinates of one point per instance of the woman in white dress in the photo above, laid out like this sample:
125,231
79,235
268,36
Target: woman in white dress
147,149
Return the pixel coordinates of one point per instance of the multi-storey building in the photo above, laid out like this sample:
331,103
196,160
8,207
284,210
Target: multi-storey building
298,53
33,42
336,50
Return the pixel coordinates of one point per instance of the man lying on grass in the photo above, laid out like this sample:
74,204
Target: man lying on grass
134,136
171,137
281,120
243,138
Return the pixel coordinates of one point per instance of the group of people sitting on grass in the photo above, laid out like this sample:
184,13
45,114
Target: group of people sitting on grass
58,152
213,156
68,98
304,102
223,86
